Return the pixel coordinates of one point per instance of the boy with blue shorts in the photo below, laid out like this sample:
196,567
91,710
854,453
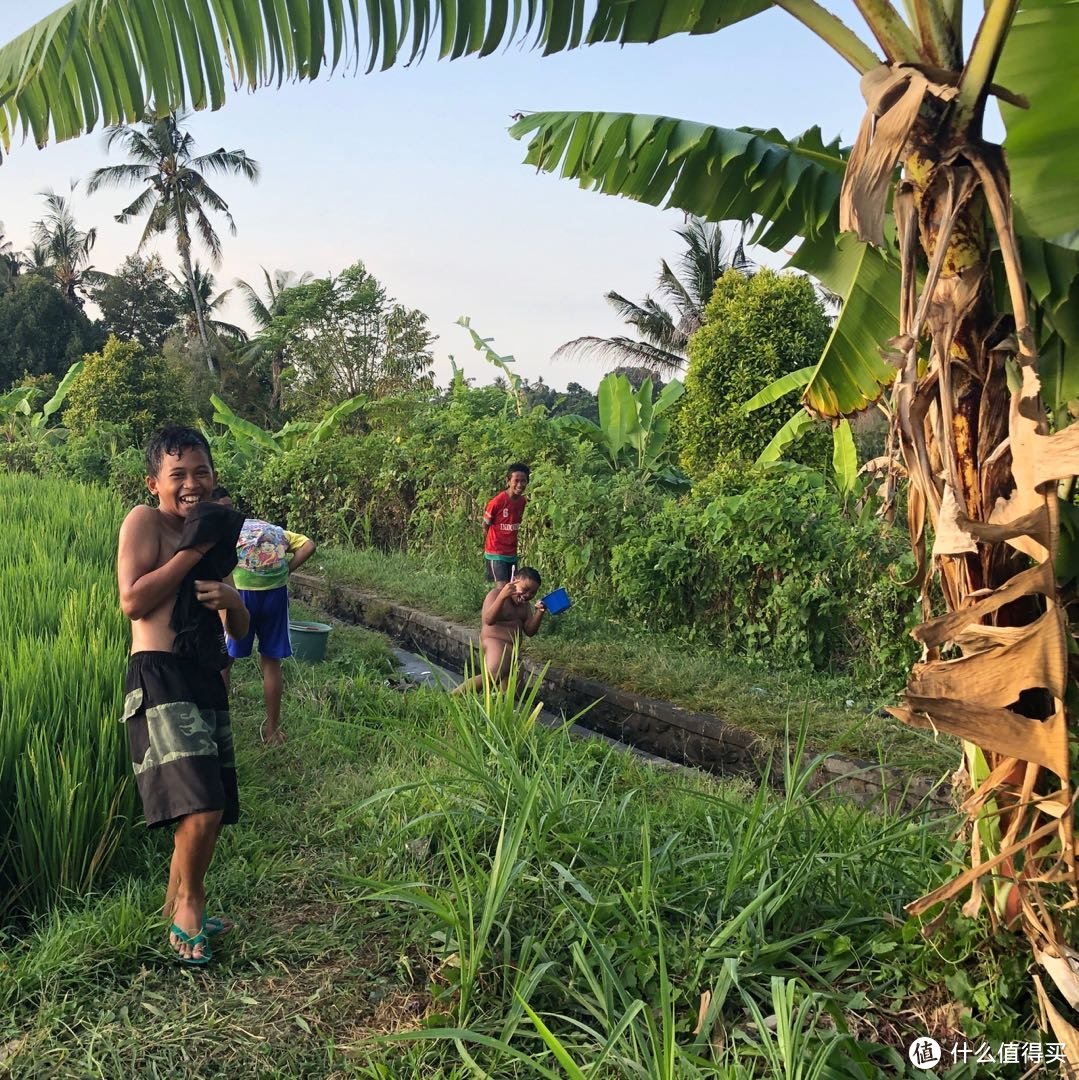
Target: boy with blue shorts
266,554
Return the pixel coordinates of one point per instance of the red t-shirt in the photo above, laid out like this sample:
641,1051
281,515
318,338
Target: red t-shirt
504,514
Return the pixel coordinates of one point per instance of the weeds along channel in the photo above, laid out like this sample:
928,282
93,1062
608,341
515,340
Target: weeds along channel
761,695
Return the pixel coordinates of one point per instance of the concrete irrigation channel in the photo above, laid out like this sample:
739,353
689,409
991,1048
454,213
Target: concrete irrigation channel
432,648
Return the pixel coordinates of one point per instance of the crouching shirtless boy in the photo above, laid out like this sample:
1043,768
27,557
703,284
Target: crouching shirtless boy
507,614
171,564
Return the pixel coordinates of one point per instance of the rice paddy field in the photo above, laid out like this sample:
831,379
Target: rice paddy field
439,888
66,799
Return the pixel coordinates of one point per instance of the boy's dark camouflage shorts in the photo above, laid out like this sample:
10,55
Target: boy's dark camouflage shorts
177,716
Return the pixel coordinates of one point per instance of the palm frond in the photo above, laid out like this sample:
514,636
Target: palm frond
109,176
616,351
257,310
206,231
675,291
138,206
228,163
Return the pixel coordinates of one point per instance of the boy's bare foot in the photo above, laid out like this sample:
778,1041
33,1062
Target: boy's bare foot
272,736
187,936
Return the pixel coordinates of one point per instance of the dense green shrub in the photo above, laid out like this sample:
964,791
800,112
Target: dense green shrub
104,455
122,385
574,522
335,491
17,456
418,477
457,458
776,567
756,329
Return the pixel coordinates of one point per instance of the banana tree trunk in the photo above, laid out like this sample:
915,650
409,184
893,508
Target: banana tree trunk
970,429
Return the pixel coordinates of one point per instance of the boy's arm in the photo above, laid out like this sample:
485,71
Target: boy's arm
492,606
302,553
489,512
144,586
532,623
222,597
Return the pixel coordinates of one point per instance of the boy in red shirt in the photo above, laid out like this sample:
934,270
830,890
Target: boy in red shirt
501,520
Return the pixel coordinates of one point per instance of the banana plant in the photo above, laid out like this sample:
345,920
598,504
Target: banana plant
844,452
250,440
633,430
515,391
956,259
17,405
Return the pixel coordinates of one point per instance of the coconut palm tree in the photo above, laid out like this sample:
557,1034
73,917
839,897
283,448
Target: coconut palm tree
223,336
262,307
62,249
175,194
663,332
10,264
956,259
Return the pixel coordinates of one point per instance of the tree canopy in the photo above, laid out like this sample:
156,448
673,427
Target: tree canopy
343,336
43,332
756,329
138,302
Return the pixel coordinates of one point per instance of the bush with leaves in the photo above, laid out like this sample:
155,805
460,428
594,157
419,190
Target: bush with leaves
756,329
576,519
454,456
122,385
769,564
418,477
330,490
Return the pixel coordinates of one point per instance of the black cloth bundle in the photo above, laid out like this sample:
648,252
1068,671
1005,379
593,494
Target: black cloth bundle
199,633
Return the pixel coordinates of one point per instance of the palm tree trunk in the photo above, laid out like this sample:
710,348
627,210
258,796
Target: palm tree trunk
981,469
277,367
183,242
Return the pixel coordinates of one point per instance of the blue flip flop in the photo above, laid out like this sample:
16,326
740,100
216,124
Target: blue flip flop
215,926
185,938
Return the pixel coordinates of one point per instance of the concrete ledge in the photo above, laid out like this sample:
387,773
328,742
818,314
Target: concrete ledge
680,735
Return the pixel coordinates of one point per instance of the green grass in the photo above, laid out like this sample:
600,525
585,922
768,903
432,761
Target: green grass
421,882
748,693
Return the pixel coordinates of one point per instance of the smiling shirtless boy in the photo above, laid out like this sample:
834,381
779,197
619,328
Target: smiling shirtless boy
176,705
507,614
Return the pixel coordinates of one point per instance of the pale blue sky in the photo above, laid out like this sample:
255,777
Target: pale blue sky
412,171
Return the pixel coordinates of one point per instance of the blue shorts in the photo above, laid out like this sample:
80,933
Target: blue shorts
269,623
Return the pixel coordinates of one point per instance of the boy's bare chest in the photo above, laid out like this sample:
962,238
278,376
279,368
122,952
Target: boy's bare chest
512,616
168,543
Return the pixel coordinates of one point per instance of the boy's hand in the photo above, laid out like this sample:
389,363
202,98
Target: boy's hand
217,596
541,607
